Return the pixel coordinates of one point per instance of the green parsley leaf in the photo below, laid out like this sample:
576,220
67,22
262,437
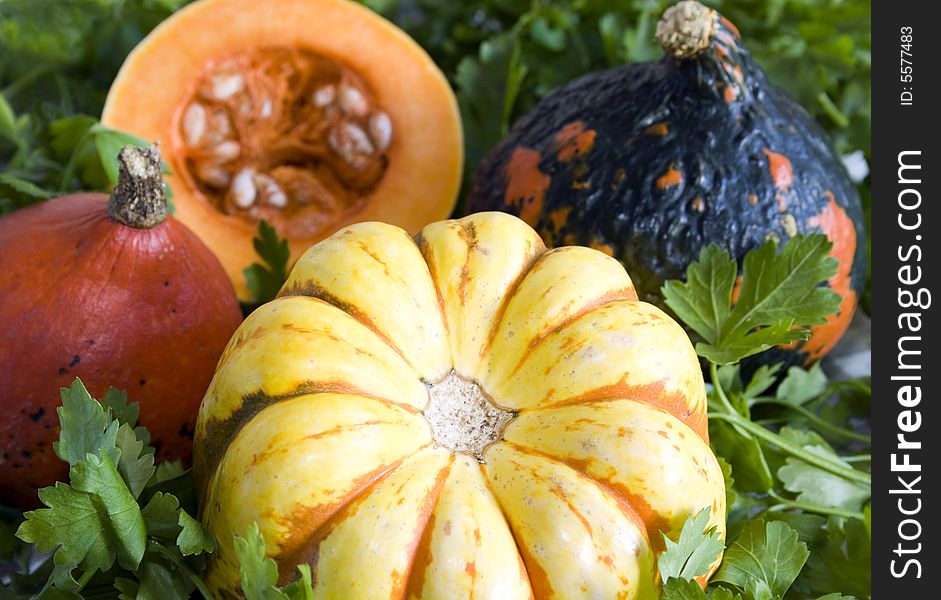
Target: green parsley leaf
764,560
762,380
71,523
814,485
160,580
836,596
704,300
842,561
166,470
686,589
122,521
85,426
802,385
127,588
162,516
7,120
135,465
265,280
115,401
697,548
682,589
779,296
194,538
488,84
259,575
744,454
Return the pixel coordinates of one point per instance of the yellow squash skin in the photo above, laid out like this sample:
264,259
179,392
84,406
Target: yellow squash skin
313,426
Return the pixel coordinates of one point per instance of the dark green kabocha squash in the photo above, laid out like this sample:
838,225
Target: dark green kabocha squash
651,162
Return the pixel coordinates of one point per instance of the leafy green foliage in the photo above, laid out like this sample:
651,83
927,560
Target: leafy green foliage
98,521
815,485
59,60
265,280
194,538
697,548
802,385
686,589
840,560
773,434
259,575
778,298
764,560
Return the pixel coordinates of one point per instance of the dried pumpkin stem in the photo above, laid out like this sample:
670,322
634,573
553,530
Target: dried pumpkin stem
686,29
139,199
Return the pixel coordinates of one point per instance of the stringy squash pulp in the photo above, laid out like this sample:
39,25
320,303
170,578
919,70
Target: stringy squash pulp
461,415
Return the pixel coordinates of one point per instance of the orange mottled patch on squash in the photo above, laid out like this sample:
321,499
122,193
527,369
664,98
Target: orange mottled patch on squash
526,185
574,140
730,26
780,168
669,179
841,230
658,129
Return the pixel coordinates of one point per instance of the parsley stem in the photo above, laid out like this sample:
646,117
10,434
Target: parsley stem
854,458
794,450
85,578
745,426
181,566
723,399
784,504
817,422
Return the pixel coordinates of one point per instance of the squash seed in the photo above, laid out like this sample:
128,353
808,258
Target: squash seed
227,151
324,96
194,123
243,189
380,130
352,101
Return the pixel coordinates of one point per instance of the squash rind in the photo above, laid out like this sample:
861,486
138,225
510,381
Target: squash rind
566,517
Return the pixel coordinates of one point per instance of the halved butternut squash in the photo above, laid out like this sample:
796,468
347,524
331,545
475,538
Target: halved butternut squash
310,114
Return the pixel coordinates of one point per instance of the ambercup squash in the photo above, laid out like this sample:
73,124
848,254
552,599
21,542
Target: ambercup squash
650,162
118,293
310,114
464,414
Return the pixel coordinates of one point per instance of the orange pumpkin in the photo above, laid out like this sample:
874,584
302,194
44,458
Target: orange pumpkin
462,415
115,292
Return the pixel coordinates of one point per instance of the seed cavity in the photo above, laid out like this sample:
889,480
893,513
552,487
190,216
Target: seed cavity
285,135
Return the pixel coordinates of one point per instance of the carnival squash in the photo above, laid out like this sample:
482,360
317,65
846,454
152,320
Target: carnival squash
651,162
113,291
310,114
465,414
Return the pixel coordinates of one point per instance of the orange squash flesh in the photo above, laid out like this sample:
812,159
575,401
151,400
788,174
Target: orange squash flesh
425,158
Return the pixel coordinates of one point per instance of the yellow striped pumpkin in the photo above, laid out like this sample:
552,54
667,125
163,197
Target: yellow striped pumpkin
462,415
